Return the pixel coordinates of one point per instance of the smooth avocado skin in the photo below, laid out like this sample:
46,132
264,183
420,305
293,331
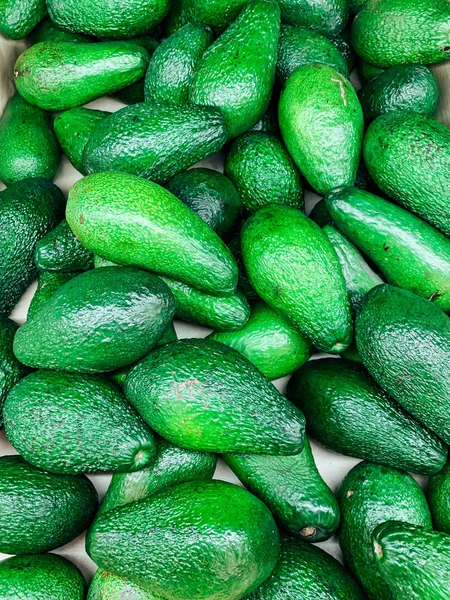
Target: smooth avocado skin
106,586
59,250
403,341
421,183
203,395
28,147
347,412
237,71
409,253
439,499
41,511
11,370
326,16
28,210
134,93
61,75
269,341
369,495
294,269
48,283
127,220
40,577
262,171
291,487
318,103
19,17
116,316
175,557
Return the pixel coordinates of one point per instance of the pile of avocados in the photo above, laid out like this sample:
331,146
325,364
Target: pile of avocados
289,100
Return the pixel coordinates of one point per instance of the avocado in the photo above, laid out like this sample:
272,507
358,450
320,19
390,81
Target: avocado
237,71
106,586
404,342
260,167
421,183
215,13
402,87
347,412
40,511
268,123
439,499
292,488
40,577
367,72
343,43
155,141
294,268
59,250
415,562
317,104
129,220
243,283
307,572
11,370
326,16
269,341
208,539
369,495
409,253
320,215
176,17
48,283
135,92
61,75
28,146
211,195
47,31
100,320
19,17
203,395
172,66
28,210
398,32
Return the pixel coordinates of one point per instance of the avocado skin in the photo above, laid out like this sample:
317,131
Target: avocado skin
408,252
59,250
304,125
403,341
154,141
19,17
134,93
106,586
320,215
356,5
268,341
343,43
41,511
403,87
307,572
398,32
243,283
200,540
294,269
292,488
369,495
203,395
367,72
116,316
128,220
61,75
415,562
348,413
215,13
28,210
173,64
439,499
211,195
48,283
328,17
11,370
241,87
40,577
260,167
47,31
420,183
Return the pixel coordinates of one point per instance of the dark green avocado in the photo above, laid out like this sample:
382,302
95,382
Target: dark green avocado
59,250
439,499
48,283
11,370
19,17
327,16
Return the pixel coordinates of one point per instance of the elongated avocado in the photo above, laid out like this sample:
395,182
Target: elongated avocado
439,499
59,250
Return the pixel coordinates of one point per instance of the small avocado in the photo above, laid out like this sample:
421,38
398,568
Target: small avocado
326,16
11,370
439,499
47,31
59,250
48,283
106,586
19,17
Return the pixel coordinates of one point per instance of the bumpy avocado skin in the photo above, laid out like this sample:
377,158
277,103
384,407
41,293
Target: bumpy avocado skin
439,499
19,17
215,13
11,370
48,283
59,250
107,586
47,31
327,16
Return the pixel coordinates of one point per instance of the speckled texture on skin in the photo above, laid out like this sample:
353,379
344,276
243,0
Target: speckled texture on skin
308,573
369,495
11,370
439,499
408,252
294,268
134,93
48,283
59,250
47,31
344,45
414,562
61,75
215,13
263,172
421,183
129,220
327,16
237,72
155,141
396,32
106,586
41,511
206,396
321,123
28,210
269,341
205,540
67,423
19,17
404,342
292,488
243,283
173,64
40,577
347,412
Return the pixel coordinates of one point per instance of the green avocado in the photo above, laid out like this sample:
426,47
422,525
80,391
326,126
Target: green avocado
268,123
47,31
320,215
439,499
215,13
135,92
243,283
176,17
326,16
367,72
19,17
203,395
11,370
343,43
59,250
356,5
48,283
106,586
40,511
